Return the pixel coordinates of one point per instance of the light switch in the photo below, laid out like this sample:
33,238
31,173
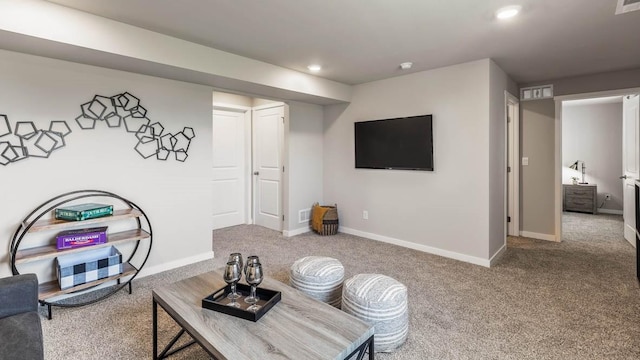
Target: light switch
525,161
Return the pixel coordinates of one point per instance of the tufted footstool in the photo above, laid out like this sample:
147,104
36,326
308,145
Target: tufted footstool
319,277
382,302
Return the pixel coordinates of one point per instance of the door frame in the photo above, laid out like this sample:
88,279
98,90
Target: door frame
510,99
248,190
558,144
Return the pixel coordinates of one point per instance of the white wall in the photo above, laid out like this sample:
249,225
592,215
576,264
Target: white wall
445,211
176,196
593,133
304,162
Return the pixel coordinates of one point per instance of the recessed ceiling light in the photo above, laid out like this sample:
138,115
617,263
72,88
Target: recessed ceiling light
508,12
406,65
314,67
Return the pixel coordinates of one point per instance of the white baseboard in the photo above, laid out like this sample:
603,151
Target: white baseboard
424,248
538,236
289,233
610,211
146,271
494,259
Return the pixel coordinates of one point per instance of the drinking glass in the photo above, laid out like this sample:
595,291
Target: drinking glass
253,259
231,277
236,257
254,278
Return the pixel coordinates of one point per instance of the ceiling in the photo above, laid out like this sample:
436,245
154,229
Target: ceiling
358,41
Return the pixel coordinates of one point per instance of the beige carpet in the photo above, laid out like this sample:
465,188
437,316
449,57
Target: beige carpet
578,299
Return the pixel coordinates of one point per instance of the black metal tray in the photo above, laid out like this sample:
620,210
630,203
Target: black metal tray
218,302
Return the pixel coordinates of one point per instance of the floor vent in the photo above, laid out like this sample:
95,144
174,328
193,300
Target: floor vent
625,6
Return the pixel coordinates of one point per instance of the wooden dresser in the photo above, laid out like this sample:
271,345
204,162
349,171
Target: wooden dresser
582,198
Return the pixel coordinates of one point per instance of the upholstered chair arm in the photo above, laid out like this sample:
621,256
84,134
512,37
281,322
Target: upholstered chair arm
18,294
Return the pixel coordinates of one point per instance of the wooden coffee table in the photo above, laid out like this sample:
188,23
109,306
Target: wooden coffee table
298,327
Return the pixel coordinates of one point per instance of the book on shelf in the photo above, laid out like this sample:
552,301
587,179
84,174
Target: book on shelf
83,212
81,237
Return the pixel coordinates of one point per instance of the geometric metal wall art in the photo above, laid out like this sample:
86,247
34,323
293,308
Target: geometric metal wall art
28,141
125,109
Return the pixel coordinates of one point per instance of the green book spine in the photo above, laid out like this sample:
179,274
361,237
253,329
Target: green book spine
79,215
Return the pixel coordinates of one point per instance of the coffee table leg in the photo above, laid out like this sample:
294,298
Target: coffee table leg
155,330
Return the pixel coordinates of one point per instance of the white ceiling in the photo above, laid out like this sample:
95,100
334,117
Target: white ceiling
364,40
594,101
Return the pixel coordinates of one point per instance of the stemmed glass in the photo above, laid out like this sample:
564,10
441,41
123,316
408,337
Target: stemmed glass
232,275
254,278
235,257
253,259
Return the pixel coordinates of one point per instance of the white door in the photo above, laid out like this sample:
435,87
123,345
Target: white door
268,132
229,168
630,162
510,169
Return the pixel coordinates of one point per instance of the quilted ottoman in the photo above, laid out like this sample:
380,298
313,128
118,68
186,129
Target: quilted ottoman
382,302
319,277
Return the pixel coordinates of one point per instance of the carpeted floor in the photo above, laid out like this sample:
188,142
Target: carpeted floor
578,299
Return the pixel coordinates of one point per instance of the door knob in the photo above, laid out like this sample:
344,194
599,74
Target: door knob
256,173
624,177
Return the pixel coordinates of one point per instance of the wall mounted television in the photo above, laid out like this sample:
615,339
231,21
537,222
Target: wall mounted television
396,144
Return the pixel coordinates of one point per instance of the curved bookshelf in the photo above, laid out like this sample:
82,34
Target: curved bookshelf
50,293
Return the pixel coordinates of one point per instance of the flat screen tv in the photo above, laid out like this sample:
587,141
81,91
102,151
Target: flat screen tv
397,144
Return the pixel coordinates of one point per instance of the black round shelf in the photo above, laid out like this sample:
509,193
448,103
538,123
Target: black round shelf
33,222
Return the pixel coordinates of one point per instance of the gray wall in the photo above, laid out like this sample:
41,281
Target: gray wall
537,179
445,211
305,161
593,133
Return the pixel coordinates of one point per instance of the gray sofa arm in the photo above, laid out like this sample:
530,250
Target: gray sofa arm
18,294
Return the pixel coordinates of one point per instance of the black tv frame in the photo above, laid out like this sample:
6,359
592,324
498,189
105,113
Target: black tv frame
357,166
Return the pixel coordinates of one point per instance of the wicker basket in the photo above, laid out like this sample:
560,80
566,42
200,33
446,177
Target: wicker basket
324,219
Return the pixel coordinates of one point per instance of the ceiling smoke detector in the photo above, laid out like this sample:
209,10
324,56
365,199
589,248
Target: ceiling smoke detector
406,65
625,6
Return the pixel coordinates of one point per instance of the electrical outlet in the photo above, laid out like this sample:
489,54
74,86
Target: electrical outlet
607,196
365,214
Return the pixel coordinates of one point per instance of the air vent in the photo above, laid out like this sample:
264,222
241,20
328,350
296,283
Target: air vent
304,216
625,6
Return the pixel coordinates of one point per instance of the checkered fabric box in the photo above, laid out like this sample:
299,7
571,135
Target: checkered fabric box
81,268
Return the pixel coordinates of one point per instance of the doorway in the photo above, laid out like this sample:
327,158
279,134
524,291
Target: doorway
248,147
512,115
597,159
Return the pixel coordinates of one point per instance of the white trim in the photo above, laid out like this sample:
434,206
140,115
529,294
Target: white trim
269,105
558,170
529,234
494,259
290,233
558,143
230,107
610,211
424,248
598,94
175,264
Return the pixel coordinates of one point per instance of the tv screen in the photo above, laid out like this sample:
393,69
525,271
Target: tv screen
397,144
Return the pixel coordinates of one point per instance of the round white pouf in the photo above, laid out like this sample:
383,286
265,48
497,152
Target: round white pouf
382,302
319,277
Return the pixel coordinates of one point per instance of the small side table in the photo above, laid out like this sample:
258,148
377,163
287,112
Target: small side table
580,198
